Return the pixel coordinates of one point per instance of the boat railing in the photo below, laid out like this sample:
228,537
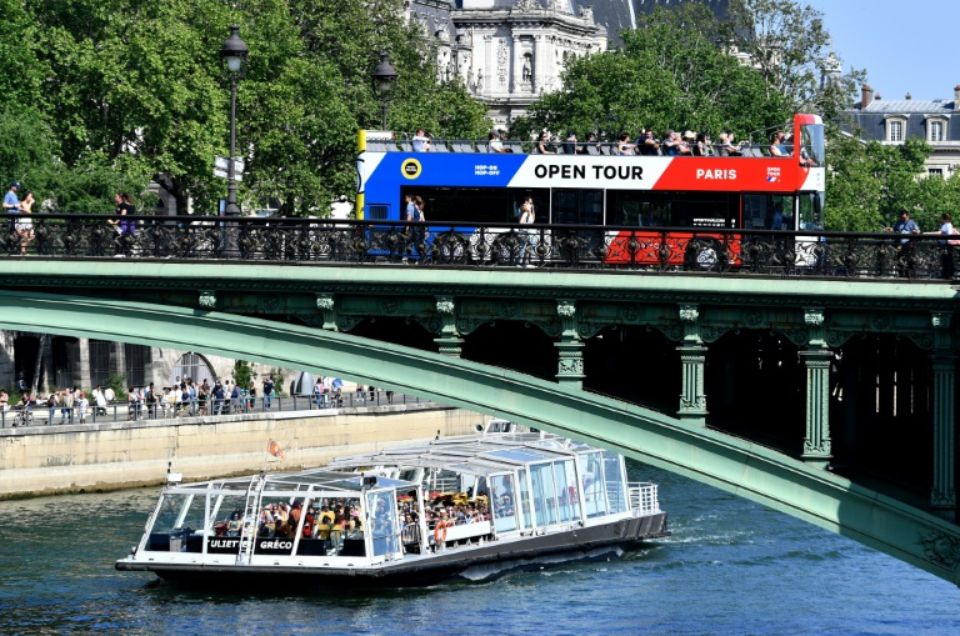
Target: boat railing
643,497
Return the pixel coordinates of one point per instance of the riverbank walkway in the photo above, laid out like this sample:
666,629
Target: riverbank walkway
120,411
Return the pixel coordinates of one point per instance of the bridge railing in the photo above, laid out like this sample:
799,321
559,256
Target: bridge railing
117,411
581,247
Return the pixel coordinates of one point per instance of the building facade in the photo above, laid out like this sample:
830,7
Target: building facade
507,52
894,121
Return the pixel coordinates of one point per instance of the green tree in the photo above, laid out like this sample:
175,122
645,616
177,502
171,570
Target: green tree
670,74
869,184
243,373
789,45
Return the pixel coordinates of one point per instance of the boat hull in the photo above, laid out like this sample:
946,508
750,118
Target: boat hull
413,572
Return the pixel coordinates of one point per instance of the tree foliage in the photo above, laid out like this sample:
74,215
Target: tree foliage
670,74
107,95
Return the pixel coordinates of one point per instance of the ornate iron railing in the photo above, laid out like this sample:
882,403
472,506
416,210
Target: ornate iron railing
582,247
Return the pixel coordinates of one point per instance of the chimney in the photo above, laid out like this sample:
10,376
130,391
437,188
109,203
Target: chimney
956,97
908,97
866,96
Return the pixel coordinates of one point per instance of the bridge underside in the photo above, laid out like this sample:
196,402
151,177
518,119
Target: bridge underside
682,445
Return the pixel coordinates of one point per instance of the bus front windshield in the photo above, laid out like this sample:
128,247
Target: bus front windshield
813,148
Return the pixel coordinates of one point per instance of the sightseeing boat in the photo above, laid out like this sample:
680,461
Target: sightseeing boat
410,515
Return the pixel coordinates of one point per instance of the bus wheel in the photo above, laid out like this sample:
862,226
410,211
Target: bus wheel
704,257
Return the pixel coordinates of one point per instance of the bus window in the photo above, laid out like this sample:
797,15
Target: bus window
768,212
812,148
582,207
672,209
811,210
482,206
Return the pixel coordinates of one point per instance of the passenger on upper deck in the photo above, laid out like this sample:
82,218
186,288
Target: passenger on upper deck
648,144
674,146
495,143
584,148
701,147
625,146
421,141
777,148
725,145
543,142
570,146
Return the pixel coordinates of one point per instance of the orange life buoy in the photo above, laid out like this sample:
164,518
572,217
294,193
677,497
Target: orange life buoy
440,532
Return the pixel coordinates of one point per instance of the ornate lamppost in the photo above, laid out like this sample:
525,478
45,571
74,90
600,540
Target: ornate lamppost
234,51
384,78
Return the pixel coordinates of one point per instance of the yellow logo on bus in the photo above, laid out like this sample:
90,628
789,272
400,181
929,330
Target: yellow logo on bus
411,168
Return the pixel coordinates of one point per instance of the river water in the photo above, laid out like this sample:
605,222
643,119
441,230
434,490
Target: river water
730,567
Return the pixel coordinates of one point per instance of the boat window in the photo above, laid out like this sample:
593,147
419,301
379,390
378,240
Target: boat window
525,499
503,499
591,482
382,512
565,477
277,523
332,527
226,524
544,494
178,526
613,472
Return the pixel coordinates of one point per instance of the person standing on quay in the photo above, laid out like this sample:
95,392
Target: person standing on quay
267,392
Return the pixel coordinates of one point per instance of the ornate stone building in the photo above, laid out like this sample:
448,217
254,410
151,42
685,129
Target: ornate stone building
507,52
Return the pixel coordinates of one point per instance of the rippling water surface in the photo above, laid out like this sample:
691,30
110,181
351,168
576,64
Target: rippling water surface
730,567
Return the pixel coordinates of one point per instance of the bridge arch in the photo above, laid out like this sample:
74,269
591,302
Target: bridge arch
734,465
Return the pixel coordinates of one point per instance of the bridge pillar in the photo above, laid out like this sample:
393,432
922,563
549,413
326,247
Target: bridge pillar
450,342
817,445
943,496
570,347
327,306
693,358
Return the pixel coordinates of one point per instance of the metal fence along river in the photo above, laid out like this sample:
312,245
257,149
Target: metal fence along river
548,247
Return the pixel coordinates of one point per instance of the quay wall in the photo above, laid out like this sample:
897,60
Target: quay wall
46,460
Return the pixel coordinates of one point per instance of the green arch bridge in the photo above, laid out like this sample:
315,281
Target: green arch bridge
829,400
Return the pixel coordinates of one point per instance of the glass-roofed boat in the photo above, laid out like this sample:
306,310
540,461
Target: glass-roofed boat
409,515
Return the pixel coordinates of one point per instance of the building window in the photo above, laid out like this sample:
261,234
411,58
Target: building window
895,130
935,172
936,130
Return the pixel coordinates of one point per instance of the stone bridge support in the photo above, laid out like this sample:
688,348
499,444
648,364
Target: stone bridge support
569,347
817,359
693,357
943,497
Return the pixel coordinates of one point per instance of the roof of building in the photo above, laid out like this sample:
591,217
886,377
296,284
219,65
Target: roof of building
928,106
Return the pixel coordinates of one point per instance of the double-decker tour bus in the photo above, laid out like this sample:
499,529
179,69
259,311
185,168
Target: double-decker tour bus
677,200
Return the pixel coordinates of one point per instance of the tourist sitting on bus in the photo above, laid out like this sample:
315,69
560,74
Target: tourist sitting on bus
625,146
648,144
725,146
543,144
701,145
590,146
570,144
421,141
495,143
673,145
776,144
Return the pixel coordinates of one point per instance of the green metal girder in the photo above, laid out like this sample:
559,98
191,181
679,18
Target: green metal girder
734,465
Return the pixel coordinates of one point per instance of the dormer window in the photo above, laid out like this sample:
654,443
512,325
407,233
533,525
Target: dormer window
936,129
896,129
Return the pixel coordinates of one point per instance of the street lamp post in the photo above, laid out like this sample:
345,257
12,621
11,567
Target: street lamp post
384,78
233,51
